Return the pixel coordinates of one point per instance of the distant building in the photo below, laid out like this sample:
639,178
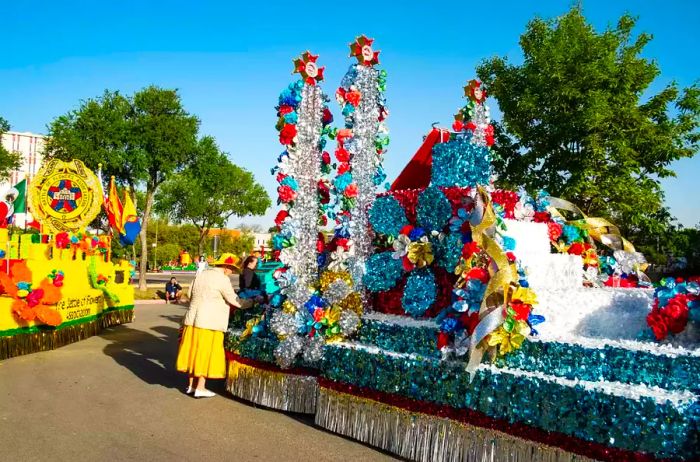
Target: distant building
261,240
31,148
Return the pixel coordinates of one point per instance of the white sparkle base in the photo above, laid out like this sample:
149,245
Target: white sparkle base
544,270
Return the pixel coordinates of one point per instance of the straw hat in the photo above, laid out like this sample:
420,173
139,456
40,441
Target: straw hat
227,259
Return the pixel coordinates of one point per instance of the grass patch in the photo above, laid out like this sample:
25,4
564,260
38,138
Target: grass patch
148,294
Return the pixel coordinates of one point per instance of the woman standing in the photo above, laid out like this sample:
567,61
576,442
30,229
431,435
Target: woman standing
248,279
201,352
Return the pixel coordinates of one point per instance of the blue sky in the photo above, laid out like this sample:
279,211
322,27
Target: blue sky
230,60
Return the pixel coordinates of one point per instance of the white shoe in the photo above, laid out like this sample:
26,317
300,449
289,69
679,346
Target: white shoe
189,391
204,394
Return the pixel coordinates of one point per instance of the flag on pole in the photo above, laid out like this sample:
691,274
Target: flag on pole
131,225
114,208
20,204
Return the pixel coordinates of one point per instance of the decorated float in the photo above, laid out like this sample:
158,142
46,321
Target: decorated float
446,319
59,285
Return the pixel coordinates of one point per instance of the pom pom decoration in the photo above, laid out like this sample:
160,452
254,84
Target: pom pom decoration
383,272
459,162
434,210
419,293
387,217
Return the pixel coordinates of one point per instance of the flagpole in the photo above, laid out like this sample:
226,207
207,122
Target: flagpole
26,200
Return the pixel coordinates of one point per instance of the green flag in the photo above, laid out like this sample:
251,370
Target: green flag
20,203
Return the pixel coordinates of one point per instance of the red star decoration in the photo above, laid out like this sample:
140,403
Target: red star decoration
361,49
307,68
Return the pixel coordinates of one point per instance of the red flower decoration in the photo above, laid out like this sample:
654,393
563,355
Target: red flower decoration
576,249
469,249
479,273
406,230
342,154
287,134
320,243
353,97
511,257
555,230
351,190
325,158
458,126
327,116
286,194
281,216
542,217
522,310
443,340
676,313
284,110
62,240
657,322
343,167
470,126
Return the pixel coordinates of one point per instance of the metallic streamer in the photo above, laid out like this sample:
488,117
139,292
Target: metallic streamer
364,163
45,340
426,438
276,390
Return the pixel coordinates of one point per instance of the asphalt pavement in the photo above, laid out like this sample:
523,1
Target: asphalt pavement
117,397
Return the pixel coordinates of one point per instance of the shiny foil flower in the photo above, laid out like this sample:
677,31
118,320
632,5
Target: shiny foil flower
420,254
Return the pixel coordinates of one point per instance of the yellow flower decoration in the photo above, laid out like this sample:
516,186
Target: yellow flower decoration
352,302
590,258
420,254
249,328
509,341
288,307
332,314
329,277
525,295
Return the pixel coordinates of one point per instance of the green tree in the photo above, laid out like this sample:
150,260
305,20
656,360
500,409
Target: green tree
210,191
141,140
9,161
580,121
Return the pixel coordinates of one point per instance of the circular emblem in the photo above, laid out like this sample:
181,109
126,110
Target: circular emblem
66,195
367,53
311,69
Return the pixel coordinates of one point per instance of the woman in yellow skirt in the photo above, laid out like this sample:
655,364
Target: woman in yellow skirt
201,352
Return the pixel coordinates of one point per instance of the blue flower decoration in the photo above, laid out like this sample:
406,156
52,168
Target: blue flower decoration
533,320
416,233
343,181
315,301
570,233
291,117
457,221
508,243
291,182
448,325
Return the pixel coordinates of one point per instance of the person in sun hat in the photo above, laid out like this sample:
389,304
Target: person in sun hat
201,351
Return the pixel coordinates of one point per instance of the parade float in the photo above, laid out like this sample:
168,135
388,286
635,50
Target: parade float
446,319
58,285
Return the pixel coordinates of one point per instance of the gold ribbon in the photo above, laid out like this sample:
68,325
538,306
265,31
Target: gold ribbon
500,285
599,229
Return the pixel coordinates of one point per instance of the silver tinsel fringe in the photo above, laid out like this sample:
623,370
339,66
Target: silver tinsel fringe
276,390
426,438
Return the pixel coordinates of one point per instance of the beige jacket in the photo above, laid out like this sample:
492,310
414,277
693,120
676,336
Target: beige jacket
210,295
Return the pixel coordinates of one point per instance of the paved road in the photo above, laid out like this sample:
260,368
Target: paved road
116,397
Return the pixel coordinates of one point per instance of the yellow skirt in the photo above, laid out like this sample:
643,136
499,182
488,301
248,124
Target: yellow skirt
201,353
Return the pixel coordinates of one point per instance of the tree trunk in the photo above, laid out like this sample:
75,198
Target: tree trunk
144,242
202,235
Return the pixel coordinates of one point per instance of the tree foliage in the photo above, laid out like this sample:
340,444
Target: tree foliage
141,140
9,161
580,121
209,191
